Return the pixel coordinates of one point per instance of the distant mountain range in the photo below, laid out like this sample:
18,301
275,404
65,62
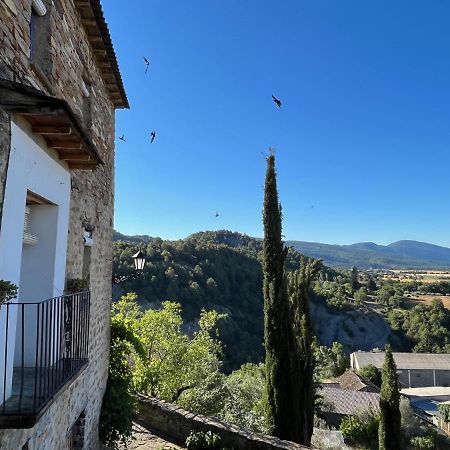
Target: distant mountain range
405,254
398,255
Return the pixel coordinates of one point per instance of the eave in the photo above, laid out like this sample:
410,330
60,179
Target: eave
97,31
54,120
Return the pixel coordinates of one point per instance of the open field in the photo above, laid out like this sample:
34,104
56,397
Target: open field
424,276
426,299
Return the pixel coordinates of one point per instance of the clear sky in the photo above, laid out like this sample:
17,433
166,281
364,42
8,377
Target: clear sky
362,140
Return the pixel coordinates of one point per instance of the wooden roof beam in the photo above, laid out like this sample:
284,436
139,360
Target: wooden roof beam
65,145
52,130
74,157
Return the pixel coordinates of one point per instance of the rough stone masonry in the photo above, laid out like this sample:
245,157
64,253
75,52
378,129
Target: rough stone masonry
72,64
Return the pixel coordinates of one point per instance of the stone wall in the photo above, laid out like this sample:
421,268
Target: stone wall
92,199
176,423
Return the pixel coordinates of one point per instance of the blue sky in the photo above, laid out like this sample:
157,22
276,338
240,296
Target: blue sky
363,135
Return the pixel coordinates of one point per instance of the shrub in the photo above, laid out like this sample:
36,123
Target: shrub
200,440
360,430
422,442
371,373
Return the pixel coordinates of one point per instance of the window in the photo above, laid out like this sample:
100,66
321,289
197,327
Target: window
40,55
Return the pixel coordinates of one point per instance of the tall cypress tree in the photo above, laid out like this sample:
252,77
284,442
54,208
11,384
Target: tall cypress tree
389,433
278,340
302,360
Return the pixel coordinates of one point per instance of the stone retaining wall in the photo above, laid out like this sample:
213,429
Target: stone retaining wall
177,423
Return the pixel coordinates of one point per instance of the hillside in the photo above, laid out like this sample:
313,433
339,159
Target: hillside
399,255
222,271
405,254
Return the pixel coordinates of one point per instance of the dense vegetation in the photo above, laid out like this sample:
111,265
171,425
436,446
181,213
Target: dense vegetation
425,326
220,271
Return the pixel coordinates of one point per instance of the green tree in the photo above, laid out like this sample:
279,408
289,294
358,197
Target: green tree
175,362
371,285
389,430
302,358
371,373
118,401
278,339
245,393
361,296
354,278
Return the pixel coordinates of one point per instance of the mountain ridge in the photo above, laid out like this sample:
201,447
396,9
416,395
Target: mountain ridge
403,254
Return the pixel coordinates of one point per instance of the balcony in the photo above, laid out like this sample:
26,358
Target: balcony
43,346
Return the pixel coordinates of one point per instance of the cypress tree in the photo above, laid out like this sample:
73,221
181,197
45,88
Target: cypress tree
389,437
302,357
354,278
281,408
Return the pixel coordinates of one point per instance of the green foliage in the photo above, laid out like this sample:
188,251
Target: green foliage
302,358
118,401
444,409
426,326
77,285
172,362
389,434
278,336
360,431
371,285
200,440
329,362
422,442
361,296
8,291
354,278
245,395
201,274
371,373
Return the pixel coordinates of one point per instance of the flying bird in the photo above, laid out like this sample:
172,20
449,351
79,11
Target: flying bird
147,63
152,136
122,138
278,102
217,214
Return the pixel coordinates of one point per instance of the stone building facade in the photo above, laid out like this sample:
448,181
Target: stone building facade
59,88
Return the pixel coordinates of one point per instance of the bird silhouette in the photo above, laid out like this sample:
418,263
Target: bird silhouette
278,102
217,214
122,138
147,63
152,136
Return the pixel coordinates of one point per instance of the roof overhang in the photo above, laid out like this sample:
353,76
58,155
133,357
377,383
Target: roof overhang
54,120
97,31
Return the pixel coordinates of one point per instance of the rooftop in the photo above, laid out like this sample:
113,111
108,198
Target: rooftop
348,402
350,380
438,361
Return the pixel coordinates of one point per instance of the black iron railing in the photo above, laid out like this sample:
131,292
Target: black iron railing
42,345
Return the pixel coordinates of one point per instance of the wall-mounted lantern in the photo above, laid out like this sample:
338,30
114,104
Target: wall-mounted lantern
139,260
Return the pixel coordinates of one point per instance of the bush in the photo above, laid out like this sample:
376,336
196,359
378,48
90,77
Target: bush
371,373
422,442
200,440
362,431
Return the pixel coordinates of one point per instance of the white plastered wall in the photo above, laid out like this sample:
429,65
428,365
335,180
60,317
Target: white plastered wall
33,167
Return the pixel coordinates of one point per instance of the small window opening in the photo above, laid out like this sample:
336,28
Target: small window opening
77,433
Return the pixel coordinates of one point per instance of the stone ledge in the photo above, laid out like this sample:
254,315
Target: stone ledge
177,423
